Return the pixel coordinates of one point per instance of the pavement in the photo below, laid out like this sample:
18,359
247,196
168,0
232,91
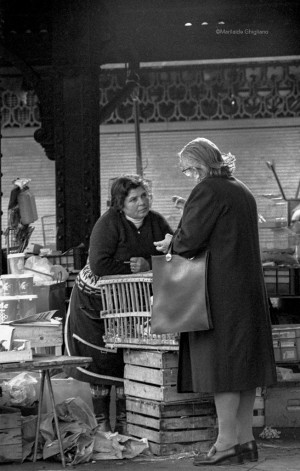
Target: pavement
274,455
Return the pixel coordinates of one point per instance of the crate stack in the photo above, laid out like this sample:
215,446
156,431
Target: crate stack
282,401
171,422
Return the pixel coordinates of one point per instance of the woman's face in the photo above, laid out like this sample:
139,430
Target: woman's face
196,173
136,203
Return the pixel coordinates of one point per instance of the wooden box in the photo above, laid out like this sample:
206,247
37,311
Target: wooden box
153,375
10,435
41,334
13,356
174,427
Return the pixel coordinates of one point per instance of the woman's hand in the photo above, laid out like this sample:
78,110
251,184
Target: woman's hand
163,245
139,264
179,202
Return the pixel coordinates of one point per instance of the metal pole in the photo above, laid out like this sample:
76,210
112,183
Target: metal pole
139,162
1,212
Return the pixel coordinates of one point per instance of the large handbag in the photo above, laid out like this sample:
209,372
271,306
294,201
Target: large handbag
180,297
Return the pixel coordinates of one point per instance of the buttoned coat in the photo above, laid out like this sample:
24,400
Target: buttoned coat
237,354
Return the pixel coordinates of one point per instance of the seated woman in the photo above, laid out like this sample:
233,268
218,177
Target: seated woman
122,242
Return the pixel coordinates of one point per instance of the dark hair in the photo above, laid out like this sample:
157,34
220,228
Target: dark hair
121,188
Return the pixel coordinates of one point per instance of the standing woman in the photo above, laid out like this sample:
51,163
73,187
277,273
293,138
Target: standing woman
236,356
121,243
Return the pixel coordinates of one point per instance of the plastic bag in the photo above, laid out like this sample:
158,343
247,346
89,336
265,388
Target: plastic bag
44,271
20,390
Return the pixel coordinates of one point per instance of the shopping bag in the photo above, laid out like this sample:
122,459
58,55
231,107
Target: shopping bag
180,296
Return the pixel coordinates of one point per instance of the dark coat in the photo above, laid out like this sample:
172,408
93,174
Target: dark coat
114,240
221,215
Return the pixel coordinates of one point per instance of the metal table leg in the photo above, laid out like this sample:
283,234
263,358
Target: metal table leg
55,418
46,374
39,416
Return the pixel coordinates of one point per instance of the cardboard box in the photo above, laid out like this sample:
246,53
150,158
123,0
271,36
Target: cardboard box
65,388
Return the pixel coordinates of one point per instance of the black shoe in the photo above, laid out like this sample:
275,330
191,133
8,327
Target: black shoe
232,455
249,451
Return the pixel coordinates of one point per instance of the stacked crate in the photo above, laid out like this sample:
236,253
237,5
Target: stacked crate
171,422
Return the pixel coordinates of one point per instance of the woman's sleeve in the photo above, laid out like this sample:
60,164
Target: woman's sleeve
199,217
165,226
103,246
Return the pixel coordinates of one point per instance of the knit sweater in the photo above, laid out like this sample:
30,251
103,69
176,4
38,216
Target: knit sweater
114,240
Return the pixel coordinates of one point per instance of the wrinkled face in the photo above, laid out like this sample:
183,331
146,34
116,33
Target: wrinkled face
136,203
197,173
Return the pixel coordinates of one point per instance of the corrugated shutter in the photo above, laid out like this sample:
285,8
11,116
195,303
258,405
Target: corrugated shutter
252,142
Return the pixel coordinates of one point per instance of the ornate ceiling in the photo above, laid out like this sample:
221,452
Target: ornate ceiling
120,31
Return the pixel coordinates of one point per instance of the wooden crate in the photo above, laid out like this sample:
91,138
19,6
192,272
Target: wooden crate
172,427
10,435
41,335
14,356
146,375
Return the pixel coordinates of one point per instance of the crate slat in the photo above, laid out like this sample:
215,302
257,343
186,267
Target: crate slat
151,359
163,410
172,423
165,449
163,377
157,393
174,436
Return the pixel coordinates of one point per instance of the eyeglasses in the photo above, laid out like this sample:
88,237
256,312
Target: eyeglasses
188,172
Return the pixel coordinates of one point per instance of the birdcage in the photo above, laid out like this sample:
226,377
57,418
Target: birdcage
126,311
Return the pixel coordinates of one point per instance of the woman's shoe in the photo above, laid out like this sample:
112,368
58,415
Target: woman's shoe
232,455
250,451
